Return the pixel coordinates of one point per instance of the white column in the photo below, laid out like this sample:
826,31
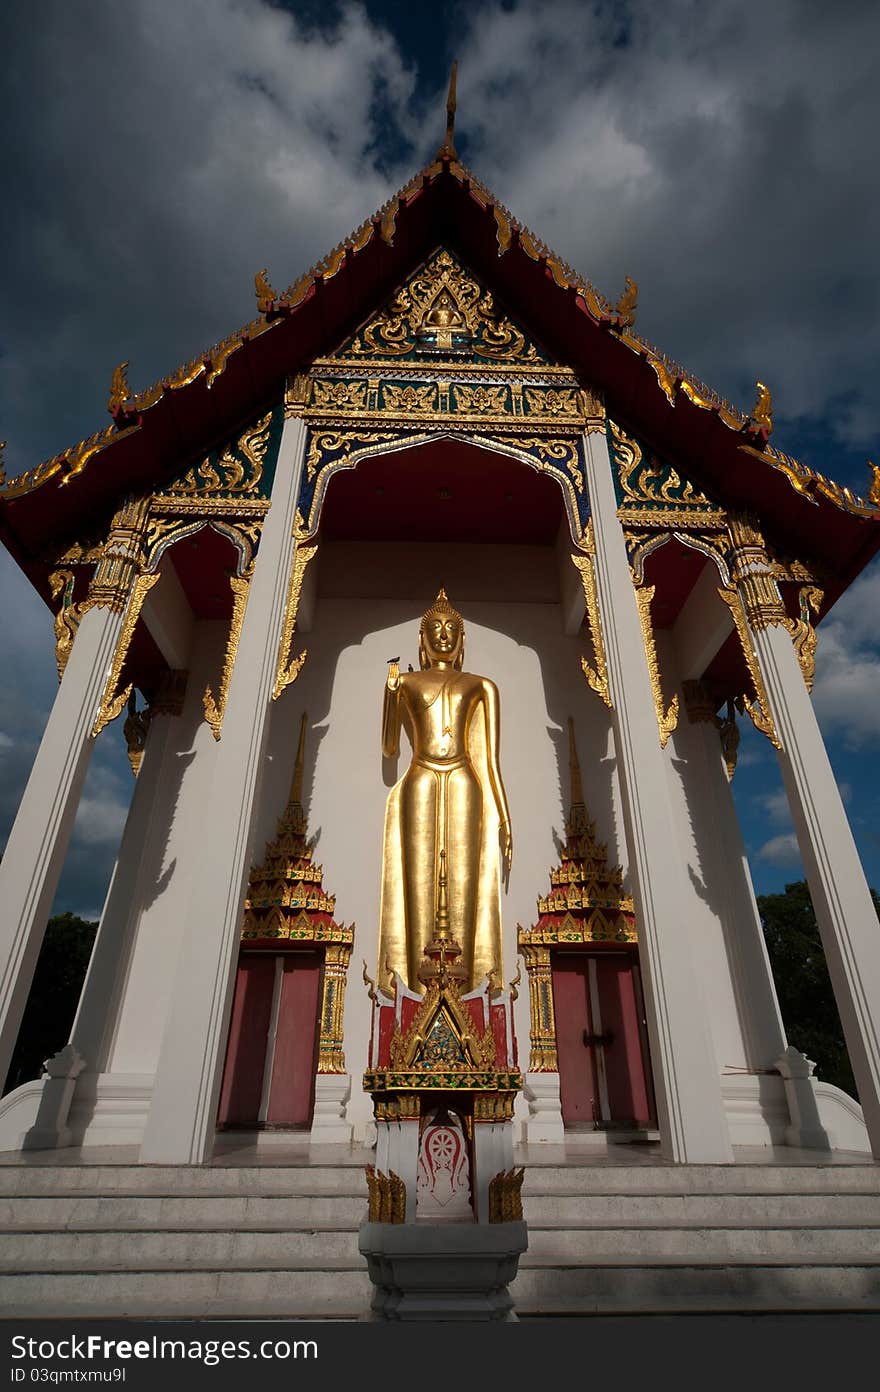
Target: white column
134,876
838,888
690,1111
180,1129
37,844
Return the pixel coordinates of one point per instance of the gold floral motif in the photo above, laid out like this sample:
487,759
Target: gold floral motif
494,1106
553,402
758,710
400,328
340,396
478,1051
331,1057
289,667
121,556
215,707
505,1196
113,701
409,399
481,399
657,483
667,716
387,1196
596,675
560,452
229,474
543,1057
753,573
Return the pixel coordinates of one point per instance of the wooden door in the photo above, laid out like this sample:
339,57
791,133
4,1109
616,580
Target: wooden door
292,1083
578,1079
269,1075
604,1076
242,1089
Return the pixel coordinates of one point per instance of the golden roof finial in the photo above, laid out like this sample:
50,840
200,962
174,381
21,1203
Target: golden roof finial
625,309
873,491
448,147
763,412
265,294
119,389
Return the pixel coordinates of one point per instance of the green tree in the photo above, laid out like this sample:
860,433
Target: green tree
54,996
803,984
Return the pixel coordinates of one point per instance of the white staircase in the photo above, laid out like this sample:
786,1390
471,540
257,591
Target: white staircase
281,1241
630,1239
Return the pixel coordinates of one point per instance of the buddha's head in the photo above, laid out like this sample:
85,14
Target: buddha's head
441,635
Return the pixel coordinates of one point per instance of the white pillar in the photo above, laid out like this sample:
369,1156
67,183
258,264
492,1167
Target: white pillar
37,844
838,888
690,1111
180,1128
134,877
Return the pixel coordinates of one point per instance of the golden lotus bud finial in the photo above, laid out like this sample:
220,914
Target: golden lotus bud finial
873,491
448,149
119,389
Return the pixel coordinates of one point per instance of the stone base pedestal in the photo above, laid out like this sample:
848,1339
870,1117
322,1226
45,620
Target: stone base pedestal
424,1271
545,1109
329,1125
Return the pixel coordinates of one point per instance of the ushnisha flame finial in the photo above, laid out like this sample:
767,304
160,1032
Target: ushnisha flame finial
441,609
447,149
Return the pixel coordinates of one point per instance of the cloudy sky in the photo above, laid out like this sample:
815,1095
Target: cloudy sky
722,154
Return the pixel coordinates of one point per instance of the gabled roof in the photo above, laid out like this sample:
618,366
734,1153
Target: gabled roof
156,432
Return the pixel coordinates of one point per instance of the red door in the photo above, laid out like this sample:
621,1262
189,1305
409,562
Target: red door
578,1081
292,1086
603,1073
269,1077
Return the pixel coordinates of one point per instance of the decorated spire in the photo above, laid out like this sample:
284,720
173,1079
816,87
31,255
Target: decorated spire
447,149
586,902
286,897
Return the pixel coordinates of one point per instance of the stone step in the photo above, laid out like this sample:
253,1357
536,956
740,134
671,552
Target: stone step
680,1209
823,1245
303,1250
701,1179
185,1179
301,1178
311,1294
91,1250
677,1288
190,1211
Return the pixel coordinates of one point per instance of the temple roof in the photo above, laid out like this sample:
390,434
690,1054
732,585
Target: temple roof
156,432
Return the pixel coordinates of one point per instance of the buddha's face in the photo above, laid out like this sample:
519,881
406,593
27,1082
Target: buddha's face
442,638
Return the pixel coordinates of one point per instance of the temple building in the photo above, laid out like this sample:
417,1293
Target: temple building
234,560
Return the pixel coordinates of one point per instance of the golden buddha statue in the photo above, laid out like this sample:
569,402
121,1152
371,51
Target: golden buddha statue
449,808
